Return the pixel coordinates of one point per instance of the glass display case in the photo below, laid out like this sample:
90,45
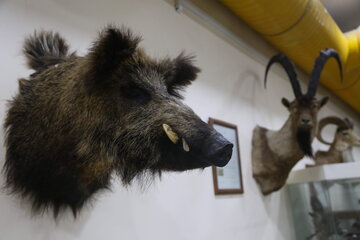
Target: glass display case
325,202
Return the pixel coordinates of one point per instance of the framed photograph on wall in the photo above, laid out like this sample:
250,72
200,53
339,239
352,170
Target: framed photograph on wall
228,179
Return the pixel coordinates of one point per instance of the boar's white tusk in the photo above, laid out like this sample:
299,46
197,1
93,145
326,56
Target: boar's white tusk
185,145
170,133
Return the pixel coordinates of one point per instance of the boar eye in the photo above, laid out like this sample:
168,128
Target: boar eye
136,94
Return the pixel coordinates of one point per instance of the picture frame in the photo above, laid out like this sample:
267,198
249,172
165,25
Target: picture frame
228,179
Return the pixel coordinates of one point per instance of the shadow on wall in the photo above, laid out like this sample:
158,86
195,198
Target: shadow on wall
246,86
277,209
248,89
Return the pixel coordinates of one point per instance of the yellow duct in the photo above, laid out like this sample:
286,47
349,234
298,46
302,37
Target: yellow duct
300,29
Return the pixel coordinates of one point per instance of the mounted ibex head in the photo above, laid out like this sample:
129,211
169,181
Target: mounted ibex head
303,110
344,139
275,153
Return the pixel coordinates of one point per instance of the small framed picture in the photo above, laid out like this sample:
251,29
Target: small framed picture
228,179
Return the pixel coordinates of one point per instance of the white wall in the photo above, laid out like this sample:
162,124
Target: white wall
180,206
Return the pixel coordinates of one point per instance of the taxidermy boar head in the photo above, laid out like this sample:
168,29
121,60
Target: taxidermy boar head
77,120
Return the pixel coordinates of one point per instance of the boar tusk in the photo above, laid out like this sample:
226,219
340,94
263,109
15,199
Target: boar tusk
170,133
185,145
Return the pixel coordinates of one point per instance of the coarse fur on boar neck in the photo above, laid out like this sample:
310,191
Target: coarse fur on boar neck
77,120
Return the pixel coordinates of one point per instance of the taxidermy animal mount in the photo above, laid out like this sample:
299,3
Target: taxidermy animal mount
325,223
77,120
274,153
345,138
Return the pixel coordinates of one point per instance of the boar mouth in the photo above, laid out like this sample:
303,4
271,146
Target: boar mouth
200,153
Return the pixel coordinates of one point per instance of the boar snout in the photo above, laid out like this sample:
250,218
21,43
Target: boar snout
196,146
218,150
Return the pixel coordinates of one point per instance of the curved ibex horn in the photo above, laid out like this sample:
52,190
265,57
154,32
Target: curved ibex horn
349,123
318,67
330,120
289,68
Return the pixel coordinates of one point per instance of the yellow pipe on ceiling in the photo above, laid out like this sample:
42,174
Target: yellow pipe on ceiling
301,29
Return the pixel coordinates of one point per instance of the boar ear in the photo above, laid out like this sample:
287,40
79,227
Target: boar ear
182,74
113,46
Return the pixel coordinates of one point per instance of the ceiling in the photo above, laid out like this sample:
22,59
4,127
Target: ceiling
303,28
346,13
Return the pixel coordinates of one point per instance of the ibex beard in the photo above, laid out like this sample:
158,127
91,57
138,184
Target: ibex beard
78,120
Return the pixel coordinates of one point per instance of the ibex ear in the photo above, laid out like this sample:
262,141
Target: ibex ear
285,102
113,46
323,101
182,74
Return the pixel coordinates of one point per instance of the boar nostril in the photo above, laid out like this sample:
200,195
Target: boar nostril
222,157
217,150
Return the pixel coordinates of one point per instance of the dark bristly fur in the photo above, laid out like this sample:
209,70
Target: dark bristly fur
78,120
304,140
114,46
183,74
44,49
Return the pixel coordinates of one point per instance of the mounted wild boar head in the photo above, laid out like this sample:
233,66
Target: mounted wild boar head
77,120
